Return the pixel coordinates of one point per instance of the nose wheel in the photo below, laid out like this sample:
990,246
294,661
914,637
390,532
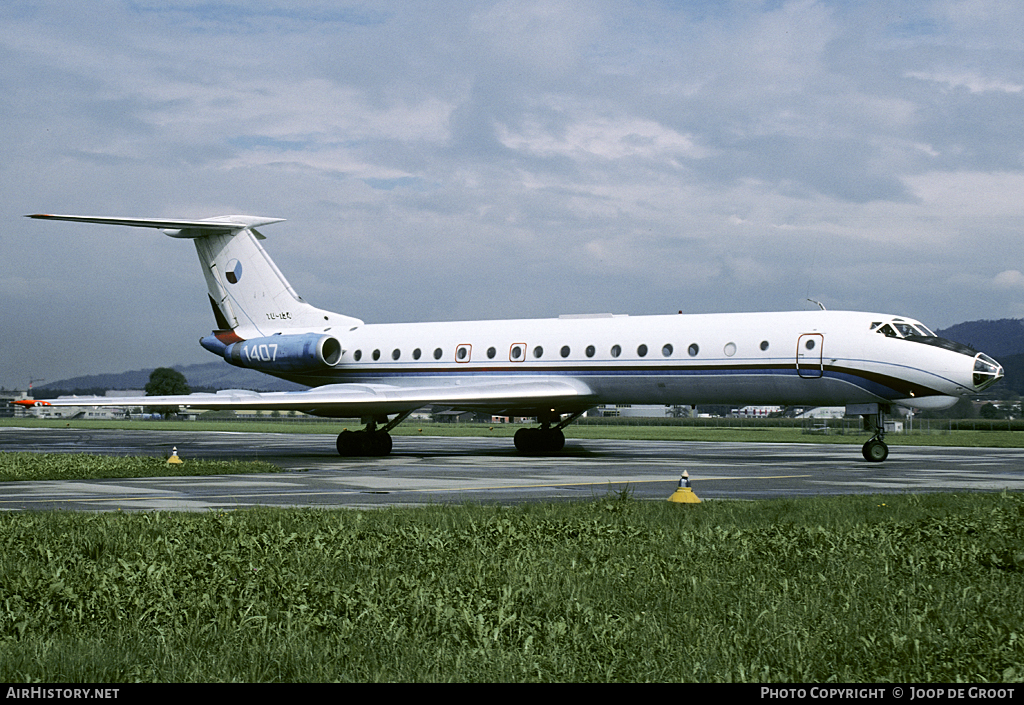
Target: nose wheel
875,450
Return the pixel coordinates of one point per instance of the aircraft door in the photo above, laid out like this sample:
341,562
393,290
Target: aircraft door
809,351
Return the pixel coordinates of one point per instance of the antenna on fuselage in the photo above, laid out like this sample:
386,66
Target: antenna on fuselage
820,305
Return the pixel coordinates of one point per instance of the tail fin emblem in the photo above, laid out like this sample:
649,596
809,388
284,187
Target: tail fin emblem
234,271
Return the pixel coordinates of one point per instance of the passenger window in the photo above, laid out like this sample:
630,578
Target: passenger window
437,353
590,351
693,349
462,352
358,354
491,352
538,351
395,354
764,345
616,350
416,354
564,351
376,354
642,350
517,353
666,350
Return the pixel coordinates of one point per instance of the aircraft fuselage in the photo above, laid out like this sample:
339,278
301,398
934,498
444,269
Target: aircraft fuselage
814,358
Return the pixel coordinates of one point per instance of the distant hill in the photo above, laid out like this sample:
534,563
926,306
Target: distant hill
1013,379
210,375
1003,340
998,339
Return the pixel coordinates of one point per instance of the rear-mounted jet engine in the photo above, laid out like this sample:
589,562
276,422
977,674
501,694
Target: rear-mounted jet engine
307,352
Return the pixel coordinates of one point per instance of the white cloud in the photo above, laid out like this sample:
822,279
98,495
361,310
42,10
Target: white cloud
1010,279
970,194
972,81
605,139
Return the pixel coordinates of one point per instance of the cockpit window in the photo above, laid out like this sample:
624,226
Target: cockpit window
986,371
915,332
899,328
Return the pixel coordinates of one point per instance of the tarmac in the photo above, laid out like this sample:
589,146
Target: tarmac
452,470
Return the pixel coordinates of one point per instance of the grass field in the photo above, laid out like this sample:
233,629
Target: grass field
911,588
916,588
26,467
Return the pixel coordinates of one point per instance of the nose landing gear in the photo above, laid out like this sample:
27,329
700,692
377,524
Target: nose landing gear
875,450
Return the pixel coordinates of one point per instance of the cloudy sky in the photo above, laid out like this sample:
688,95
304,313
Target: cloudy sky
453,160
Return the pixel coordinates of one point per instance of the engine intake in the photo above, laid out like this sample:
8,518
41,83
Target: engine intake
286,353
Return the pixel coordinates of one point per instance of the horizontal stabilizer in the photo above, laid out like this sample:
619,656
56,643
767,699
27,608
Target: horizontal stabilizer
249,294
220,224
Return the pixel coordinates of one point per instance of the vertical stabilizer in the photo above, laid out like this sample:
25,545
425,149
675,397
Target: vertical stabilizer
249,292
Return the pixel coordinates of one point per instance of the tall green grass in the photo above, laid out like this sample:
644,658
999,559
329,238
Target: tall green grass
86,466
917,588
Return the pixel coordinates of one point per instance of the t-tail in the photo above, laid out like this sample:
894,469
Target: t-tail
262,322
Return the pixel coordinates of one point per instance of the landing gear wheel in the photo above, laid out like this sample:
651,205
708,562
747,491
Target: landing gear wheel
364,443
379,443
523,439
539,441
875,451
348,443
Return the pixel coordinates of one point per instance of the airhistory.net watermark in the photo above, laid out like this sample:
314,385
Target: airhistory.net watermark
42,693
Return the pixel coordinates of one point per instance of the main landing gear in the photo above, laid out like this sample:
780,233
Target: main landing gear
370,441
539,441
547,439
363,443
875,450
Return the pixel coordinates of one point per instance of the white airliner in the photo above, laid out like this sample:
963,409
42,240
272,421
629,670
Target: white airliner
552,369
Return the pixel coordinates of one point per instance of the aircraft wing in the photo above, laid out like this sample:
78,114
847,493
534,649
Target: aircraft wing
520,397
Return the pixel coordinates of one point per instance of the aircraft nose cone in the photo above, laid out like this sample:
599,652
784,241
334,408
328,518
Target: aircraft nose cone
986,371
